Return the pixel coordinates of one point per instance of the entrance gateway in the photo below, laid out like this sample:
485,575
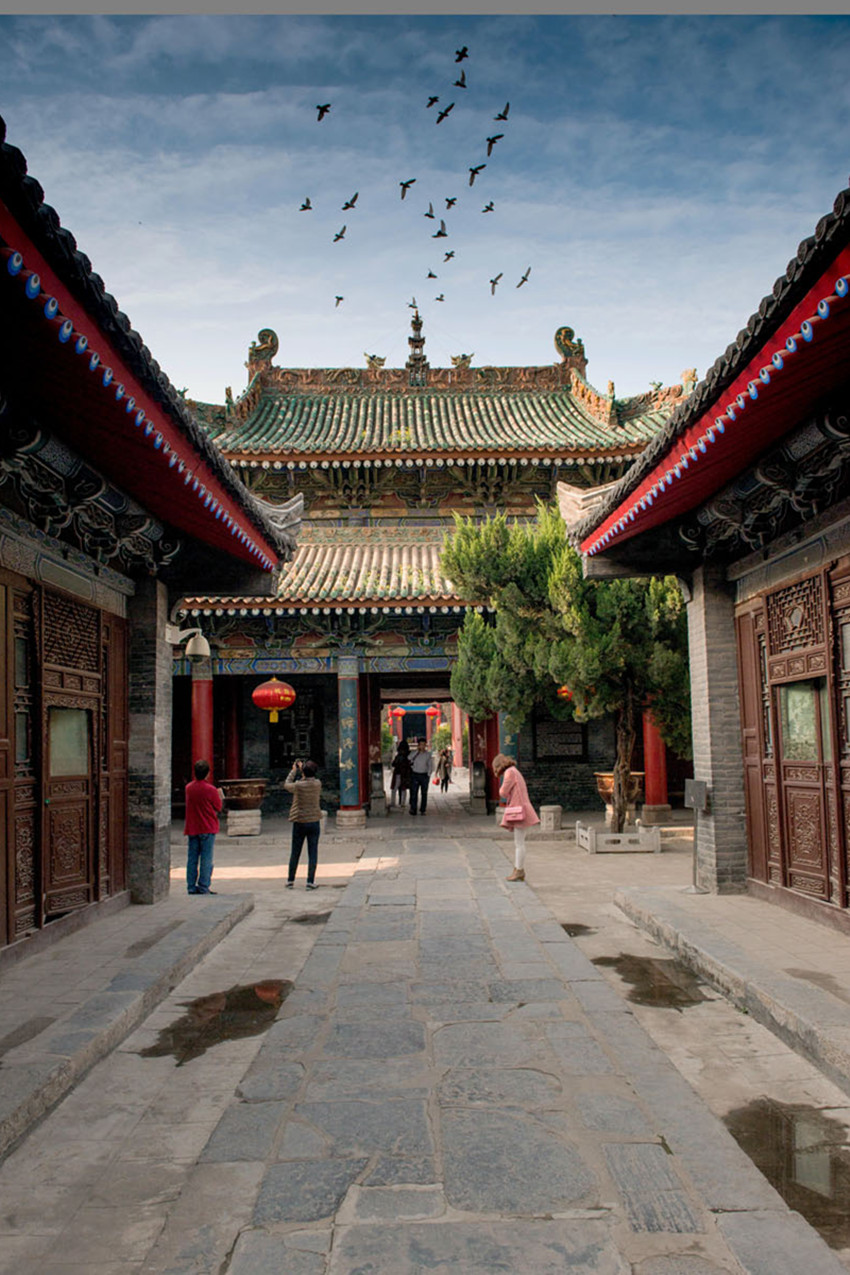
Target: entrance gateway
384,458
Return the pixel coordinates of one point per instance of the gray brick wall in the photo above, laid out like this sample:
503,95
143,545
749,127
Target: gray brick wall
149,766
721,833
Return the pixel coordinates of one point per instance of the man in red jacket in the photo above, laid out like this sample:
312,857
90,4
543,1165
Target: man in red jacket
203,803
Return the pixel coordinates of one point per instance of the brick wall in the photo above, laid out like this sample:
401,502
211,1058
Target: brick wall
721,833
149,759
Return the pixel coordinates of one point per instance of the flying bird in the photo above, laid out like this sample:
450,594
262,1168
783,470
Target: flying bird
493,283
338,299
491,142
431,274
503,115
349,203
440,297
430,212
405,186
432,101
461,83
441,233
524,278
473,172
306,206
460,54
449,256
488,207
444,113
450,203
340,234
323,110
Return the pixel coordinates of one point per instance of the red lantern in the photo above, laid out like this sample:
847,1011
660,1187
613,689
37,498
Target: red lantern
273,696
432,712
564,692
399,712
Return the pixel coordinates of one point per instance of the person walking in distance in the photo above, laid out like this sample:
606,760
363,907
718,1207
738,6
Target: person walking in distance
444,769
401,773
203,805
519,813
305,815
421,769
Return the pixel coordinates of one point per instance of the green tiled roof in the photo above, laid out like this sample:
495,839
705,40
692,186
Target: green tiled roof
357,566
557,422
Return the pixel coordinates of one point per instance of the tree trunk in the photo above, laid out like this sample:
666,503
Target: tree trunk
623,763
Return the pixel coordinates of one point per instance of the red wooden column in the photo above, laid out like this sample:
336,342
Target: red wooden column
457,735
656,807
232,734
202,711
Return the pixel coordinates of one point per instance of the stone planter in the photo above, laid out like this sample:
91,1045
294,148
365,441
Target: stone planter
605,788
243,794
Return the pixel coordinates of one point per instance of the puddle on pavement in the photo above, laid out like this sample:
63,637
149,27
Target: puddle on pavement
662,983
231,1015
827,981
804,1154
310,918
576,930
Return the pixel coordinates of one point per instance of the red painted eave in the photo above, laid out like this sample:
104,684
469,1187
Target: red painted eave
72,400
708,455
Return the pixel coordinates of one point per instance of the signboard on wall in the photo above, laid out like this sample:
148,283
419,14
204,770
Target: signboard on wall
556,740
298,734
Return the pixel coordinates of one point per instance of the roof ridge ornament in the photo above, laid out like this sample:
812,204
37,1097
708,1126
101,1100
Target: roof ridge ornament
417,363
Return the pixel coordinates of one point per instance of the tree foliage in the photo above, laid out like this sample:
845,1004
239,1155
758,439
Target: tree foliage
619,645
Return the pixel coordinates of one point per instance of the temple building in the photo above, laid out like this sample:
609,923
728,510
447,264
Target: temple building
363,617
113,503
745,495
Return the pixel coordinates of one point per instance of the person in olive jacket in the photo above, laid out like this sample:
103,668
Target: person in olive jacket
305,816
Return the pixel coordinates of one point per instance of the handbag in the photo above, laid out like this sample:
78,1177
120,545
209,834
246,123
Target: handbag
436,779
513,814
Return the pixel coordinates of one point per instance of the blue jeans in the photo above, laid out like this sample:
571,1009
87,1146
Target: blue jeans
299,832
199,863
418,791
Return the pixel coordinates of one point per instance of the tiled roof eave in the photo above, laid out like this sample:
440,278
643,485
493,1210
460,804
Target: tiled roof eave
813,258
289,458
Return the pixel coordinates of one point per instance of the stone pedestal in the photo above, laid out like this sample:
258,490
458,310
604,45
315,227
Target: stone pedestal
243,823
378,805
651,815
349,819
550,818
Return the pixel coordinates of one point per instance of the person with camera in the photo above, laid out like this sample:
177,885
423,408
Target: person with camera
305,816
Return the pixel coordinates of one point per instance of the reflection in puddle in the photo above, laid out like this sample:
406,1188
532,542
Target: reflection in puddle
575,929
230,1015
665,984
804,1154
310,918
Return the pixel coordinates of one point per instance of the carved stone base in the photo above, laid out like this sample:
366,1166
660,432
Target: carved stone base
243,823
630,841
378,806
550,818
478,805
347,819
651,815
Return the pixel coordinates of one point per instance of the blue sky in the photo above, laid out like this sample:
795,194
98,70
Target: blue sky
656,174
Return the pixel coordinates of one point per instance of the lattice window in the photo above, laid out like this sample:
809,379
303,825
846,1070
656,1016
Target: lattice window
71,634
795,616
767,728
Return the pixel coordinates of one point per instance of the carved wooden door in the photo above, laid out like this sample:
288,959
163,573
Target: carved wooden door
805,741
68,862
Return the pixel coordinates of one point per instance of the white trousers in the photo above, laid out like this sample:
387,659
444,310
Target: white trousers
519,847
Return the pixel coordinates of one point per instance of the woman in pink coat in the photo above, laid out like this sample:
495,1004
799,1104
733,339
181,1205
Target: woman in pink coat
513,792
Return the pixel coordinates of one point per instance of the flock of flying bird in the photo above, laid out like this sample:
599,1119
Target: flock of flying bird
474,170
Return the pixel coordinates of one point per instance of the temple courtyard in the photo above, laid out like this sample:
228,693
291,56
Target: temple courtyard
420,1067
